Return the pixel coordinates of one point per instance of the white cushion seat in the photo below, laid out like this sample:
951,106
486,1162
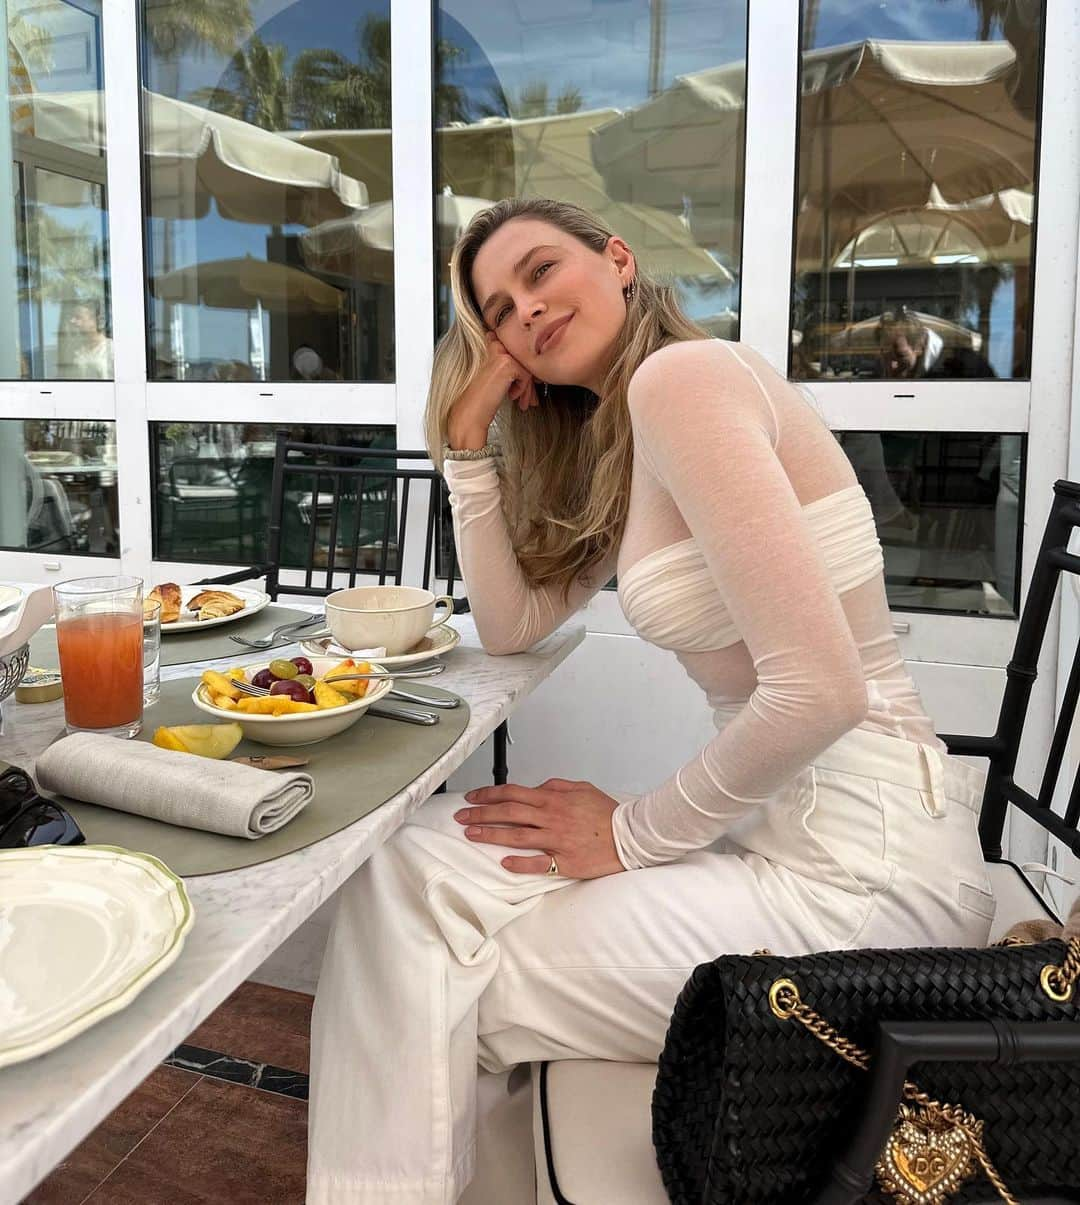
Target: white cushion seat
592,1120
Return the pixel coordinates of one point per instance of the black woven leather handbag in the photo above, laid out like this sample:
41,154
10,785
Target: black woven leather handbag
763,1077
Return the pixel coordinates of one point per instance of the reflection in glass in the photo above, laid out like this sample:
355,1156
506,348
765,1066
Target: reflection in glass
212,496
947,509
58,224
58,486
266,127
630,109
915,195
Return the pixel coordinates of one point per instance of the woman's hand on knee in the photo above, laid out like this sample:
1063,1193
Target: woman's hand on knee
570,821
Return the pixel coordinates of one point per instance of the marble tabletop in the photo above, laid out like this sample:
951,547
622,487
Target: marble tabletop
49,1104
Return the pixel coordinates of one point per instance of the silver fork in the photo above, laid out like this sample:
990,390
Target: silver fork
429,671
264,642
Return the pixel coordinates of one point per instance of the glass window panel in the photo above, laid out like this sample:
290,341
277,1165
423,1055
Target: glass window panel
947,508
266,128
58,223
915,199
212,496
634,110
58,486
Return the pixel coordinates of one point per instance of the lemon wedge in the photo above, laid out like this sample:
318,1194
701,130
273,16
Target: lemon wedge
205,740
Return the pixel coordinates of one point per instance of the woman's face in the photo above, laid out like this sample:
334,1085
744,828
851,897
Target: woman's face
556,305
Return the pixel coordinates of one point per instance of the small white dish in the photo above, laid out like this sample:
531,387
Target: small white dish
254,601
10,596
83,929
439,640
307,727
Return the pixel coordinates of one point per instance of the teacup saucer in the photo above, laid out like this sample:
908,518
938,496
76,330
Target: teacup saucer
440,639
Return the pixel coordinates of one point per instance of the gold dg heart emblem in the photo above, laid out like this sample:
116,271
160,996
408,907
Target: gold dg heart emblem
926,1159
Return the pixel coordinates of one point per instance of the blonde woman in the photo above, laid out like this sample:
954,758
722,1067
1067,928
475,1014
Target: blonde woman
587,427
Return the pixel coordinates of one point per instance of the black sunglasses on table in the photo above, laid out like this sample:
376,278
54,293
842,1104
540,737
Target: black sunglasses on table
26,819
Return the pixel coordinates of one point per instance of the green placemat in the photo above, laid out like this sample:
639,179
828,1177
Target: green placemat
354,773
185,648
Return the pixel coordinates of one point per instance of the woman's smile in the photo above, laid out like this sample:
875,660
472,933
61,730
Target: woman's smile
551,335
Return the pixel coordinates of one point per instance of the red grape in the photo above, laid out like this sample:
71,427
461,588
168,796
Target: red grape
303,665
295,690
263,678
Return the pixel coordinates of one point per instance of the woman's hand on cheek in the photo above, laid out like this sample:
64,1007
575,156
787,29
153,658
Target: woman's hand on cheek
571,820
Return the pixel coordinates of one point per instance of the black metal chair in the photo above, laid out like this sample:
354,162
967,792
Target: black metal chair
342,514
591,1119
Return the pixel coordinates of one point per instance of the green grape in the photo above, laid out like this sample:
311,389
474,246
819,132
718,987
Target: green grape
282,669
305,680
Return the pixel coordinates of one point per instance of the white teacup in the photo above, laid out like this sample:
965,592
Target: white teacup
390,617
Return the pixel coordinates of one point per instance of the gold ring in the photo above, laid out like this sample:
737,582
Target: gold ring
554,867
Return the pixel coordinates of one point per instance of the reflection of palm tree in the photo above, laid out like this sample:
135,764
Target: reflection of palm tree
991,13
334,92
532,99
323,89
255,87
196,25
64,261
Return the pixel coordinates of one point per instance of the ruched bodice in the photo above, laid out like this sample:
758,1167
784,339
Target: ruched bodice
671,599
774,607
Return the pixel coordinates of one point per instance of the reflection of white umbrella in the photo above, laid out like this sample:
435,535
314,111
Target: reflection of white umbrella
243,283
361,246
194,154
536,157
865,337
882,122
994,229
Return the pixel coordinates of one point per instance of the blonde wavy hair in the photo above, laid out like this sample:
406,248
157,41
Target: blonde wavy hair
565,464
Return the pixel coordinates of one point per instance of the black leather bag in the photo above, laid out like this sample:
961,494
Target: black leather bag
750,1109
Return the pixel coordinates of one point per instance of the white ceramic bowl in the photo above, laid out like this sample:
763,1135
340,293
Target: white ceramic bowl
395,618
304,728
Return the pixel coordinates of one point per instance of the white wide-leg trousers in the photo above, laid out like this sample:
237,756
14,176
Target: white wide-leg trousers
440,960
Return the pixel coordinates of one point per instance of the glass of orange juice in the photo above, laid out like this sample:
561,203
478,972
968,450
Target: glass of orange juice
99,631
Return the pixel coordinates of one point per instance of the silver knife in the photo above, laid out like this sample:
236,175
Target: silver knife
411,715
425,700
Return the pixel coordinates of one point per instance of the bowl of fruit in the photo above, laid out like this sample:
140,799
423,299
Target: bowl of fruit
301,708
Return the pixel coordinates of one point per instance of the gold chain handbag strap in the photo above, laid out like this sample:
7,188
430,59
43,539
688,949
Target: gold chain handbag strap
934,1147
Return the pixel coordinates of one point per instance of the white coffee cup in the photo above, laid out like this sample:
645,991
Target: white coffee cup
392,617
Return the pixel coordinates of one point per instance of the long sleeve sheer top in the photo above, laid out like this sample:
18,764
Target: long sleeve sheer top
750,552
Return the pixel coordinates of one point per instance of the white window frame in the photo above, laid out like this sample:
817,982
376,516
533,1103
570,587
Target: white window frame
773,40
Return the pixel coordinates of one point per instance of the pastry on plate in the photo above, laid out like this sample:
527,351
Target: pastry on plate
215,604
168,594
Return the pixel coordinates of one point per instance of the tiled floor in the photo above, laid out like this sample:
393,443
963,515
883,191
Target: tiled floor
188,1138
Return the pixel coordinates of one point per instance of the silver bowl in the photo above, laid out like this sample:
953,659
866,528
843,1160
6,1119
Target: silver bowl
12,667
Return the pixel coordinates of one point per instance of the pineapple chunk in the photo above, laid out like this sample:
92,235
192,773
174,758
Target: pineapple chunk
218,684
359,686
327,697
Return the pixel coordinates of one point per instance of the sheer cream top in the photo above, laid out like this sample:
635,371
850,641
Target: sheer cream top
750,552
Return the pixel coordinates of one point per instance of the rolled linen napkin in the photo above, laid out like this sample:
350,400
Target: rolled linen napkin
179,788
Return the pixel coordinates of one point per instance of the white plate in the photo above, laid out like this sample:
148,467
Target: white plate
254,601
9,596
442,639
83,929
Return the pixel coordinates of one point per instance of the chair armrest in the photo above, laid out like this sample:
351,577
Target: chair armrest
238,575
904,1043
971,746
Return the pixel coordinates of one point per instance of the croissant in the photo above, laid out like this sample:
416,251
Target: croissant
215,604
168,594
